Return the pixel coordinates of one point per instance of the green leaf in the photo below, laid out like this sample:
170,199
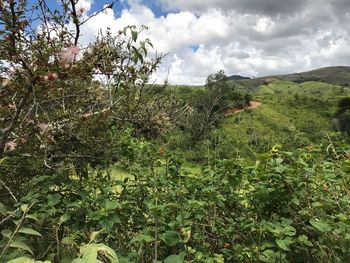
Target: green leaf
283,244
68,241
64,218
32,217
140,57
134,35
22,260
6,233
295,200
173,259
142,238
305,240
319,225
26,260
111,205
24,207
143,46
289,231
21,245
317,204
346,166
171,238
3,209
53,199
268,256
94,235
89,253
29,231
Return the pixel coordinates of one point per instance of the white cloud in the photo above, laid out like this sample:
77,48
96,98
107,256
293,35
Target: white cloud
247,37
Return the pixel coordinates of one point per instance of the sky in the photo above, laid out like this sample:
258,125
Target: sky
242,37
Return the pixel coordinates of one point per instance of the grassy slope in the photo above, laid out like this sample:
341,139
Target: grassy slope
335,75
291,113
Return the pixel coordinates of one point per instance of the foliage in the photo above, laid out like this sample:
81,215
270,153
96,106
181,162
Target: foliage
206,107
59,99
343,115
286,207
94,160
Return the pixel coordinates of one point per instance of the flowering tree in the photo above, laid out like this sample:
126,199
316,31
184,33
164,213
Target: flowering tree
59,99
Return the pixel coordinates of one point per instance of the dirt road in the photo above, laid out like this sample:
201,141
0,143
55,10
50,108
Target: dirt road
252,105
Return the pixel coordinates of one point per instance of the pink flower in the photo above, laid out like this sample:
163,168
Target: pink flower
43,126
86,115
11,145
80,12
12,106
69,54
6,82
52,76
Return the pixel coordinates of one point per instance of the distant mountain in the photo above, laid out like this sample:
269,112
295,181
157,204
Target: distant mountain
339,75
237,77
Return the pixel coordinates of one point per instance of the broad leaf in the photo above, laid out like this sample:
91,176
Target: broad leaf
32,217
3,209
53,199
305,240
24,207
283,244
134,35
29,231
171,238
6,233
111,205
26,260
173,259
142,238
321,226
268,256
94,235
68,241
22,260
89,253
21,245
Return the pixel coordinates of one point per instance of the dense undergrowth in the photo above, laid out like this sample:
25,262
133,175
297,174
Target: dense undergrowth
285,207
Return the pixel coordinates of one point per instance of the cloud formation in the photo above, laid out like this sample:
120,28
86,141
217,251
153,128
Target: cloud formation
246,37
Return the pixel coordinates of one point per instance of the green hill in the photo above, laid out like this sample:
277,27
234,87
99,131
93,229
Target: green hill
291,114
339,75
297,110
335,75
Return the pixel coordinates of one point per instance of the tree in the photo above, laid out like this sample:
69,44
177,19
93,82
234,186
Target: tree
209,105
343,115
59,99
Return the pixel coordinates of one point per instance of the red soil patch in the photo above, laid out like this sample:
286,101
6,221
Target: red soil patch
252,105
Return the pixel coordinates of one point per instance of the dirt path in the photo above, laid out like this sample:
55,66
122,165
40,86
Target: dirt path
252,105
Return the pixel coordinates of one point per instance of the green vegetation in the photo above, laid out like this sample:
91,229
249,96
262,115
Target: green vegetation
119,170
291,114
343,115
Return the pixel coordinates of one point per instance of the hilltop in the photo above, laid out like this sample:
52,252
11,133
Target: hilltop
338,75
237,77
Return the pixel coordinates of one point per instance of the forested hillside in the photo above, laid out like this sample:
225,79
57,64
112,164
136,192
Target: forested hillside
100,164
